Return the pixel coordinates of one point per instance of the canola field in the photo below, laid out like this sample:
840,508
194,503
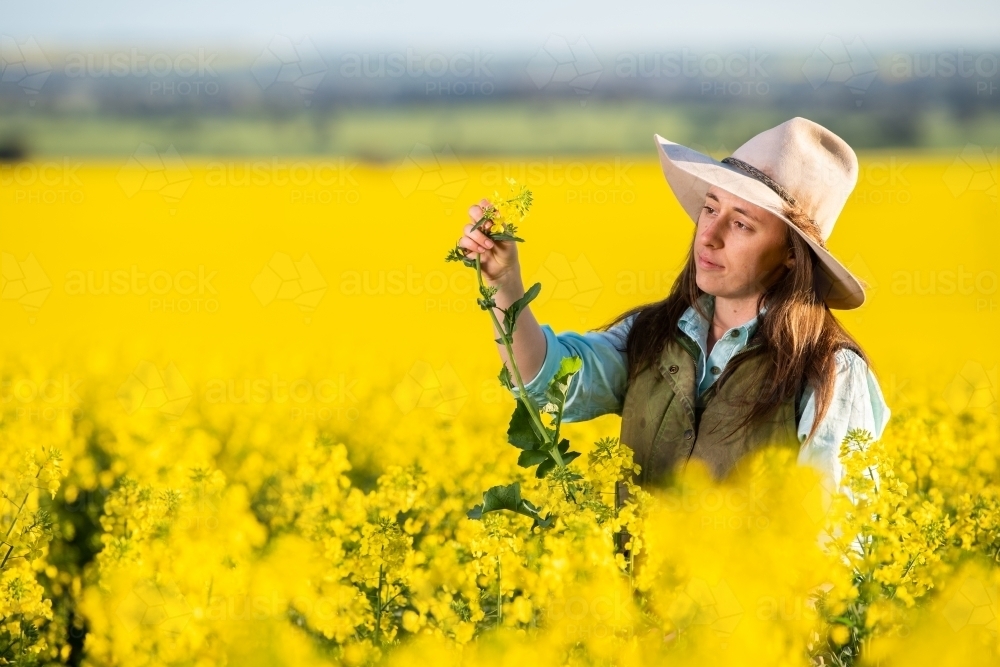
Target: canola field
245,407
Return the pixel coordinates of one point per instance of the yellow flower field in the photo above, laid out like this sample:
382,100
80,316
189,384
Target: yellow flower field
246,407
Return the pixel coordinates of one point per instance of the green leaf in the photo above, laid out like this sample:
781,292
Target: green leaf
505,378
549,464
508,498
521,431
511,313
532,457
558,387
505,237
559,384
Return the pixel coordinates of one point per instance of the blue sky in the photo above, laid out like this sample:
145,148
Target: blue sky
509,25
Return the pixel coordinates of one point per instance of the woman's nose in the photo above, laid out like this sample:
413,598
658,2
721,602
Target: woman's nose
709,230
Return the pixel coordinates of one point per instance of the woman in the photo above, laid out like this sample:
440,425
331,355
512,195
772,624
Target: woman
744,351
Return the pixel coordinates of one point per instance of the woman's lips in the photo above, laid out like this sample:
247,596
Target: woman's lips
705,264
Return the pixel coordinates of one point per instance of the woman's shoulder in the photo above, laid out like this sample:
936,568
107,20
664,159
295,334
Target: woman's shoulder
849,360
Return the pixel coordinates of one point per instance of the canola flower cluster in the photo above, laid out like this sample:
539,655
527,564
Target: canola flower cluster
222,536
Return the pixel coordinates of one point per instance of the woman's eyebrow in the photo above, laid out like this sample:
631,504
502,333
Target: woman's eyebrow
746,213
709,195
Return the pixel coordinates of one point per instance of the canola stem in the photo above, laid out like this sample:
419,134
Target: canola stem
532,409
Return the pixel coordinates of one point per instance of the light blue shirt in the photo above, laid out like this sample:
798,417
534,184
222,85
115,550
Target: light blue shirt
599,387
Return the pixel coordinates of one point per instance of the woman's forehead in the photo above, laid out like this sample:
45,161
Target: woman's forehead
749,208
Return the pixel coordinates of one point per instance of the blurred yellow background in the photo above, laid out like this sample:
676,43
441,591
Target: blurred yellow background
330,273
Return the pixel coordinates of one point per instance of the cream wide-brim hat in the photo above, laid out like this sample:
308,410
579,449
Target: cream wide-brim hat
799,162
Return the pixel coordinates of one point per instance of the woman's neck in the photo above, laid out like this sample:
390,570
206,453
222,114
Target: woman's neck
728,314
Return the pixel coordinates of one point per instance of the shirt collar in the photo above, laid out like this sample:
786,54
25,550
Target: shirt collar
696,326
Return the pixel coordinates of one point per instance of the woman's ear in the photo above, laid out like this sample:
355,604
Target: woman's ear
790,259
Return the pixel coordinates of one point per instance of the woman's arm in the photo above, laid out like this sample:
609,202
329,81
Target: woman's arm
599,388
857,403
529,341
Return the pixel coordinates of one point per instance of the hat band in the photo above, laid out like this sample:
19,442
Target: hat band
762,177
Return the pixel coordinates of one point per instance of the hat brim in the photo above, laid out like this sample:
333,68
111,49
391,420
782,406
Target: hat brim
690,174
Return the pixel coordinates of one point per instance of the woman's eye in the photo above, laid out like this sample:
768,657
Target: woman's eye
742,226
707,208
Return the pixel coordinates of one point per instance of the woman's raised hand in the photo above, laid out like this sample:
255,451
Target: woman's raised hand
497,259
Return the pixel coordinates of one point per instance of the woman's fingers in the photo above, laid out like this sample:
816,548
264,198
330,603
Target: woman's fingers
467,243
478,236
476,240
476,210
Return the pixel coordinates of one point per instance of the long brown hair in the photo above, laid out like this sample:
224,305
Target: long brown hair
798,335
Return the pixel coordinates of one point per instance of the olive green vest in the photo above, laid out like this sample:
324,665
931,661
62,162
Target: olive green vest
666,423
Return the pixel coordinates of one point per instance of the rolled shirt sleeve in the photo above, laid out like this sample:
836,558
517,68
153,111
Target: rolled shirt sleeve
599,387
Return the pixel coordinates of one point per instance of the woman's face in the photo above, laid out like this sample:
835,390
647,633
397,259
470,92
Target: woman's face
746,245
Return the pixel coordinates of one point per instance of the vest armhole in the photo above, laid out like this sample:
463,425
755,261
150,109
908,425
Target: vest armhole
798,404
